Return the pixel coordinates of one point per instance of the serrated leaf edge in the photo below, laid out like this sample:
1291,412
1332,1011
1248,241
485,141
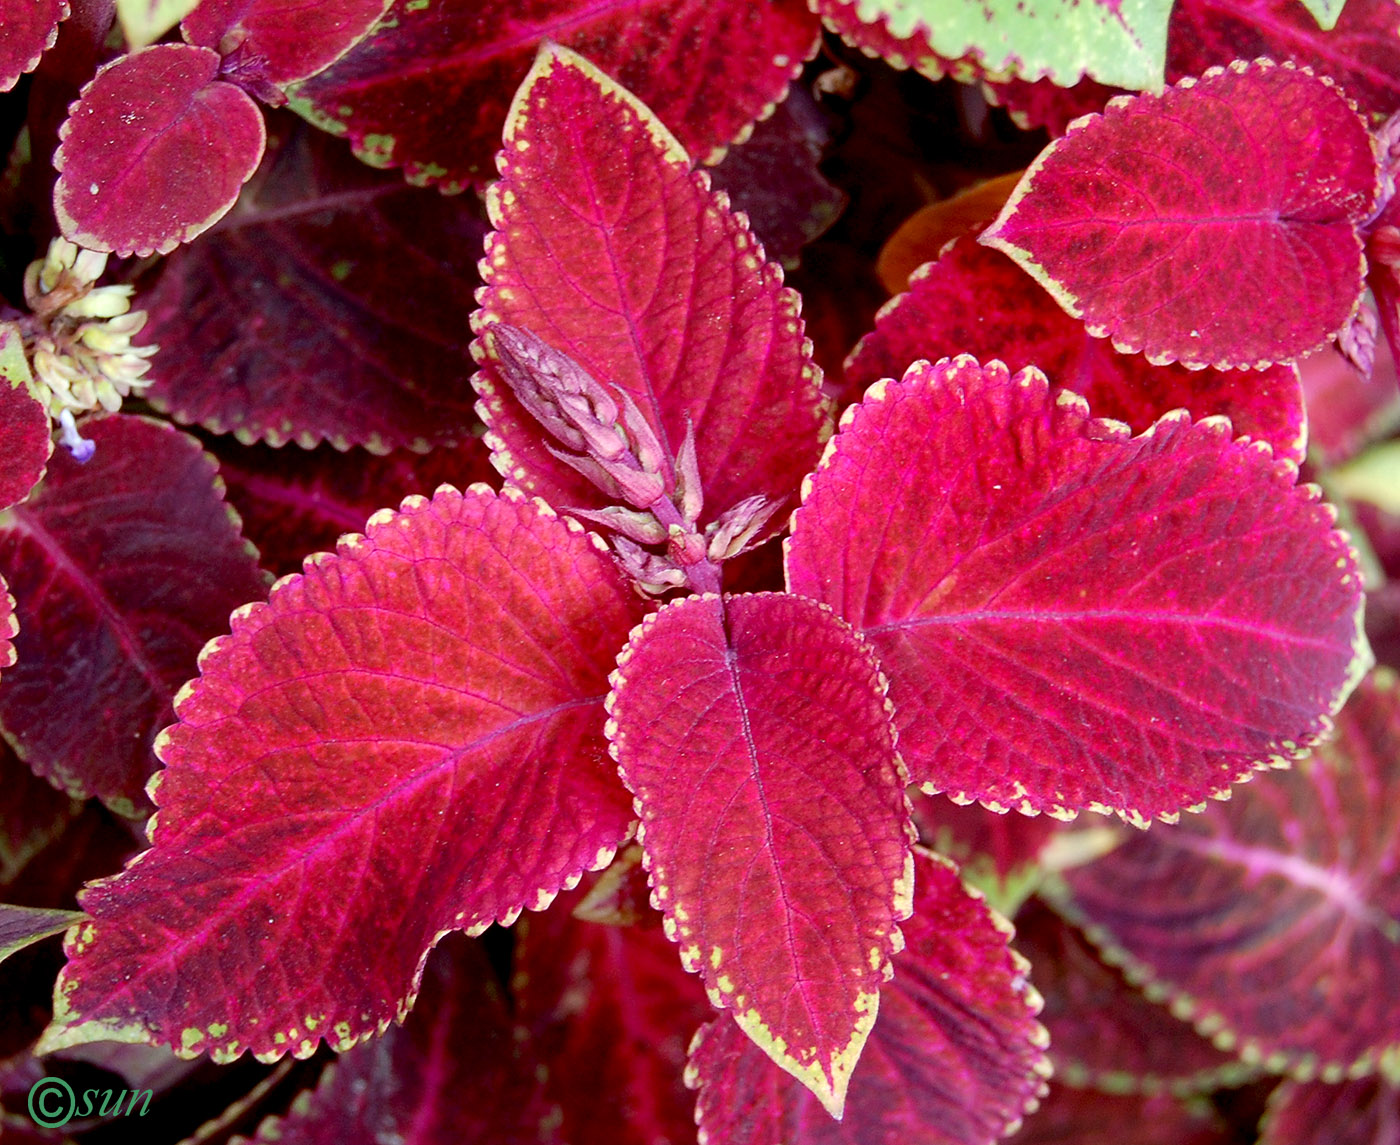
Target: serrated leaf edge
1072,305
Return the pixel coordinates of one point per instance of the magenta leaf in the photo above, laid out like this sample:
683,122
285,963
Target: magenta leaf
976,301
610,1012
123,567
609,249
1361,1112
1103,1032
1273,921
428,91
9,626
329,305
754,733
1049,600
416,722
453,1072
281,41
956,1057
1254,259
22,926
30,29
154,151
295,503
25,443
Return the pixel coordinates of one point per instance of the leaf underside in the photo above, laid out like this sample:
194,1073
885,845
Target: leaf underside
1053,608
1297,877
1253,260
21,926
754,733
417,722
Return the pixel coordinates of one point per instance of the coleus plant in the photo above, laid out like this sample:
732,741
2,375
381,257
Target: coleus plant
1017,573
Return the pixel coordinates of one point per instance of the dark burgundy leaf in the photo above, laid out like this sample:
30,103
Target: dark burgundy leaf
123,567
1053,606
415,722
21,926
754,733
1363,1112
295,503
1082,1117
154,151
610,1012
609,248
30,28
32,813
773,178
1273,921
329,305
1103,1032
25,444
454,1072
428,91
977,301
1254,259
281,41
955,1058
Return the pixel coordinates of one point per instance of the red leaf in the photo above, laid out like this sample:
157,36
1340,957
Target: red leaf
329,305
610,1012
154,152
1273,921
454,1072
1255,259
9,626
1364,1112
123,567
976,301
415,722
1103,1032
25,443
295,503
428,90
755,735
1054,607
30,29
611,250
955,1059
281,40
